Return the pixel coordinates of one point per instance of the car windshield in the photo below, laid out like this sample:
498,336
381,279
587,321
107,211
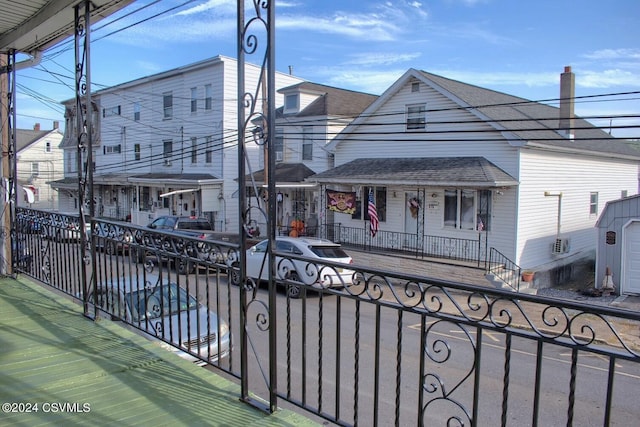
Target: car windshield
328,251
194,225
152,303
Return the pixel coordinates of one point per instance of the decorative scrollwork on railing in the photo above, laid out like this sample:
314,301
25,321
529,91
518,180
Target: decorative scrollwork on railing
439,387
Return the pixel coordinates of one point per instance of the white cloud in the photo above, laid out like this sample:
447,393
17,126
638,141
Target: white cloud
626,54
220,5
366,27
607,78
375,59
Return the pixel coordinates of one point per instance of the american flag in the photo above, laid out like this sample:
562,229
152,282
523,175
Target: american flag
373,215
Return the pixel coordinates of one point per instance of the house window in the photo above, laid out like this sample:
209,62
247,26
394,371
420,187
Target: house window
111,149
307,142
35,169
208,154
208,96
47,147
415,87
167,104
136,151
194,150
167,151
416,116
136,111
362,207
194,99
278,145
112,111
467,209
593,204
623,194
291,103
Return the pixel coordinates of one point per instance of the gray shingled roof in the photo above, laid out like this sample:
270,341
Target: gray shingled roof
26,137
476,172
333,102
284,172
533,122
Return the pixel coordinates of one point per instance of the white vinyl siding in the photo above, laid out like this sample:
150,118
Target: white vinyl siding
553,173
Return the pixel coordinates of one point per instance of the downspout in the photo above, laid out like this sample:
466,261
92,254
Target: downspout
557,194
36,58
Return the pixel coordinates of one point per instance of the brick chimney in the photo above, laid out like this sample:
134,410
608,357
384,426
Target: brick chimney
36,126
56,125
567,96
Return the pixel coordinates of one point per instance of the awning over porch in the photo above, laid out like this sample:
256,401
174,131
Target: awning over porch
173,179
471,172
286,175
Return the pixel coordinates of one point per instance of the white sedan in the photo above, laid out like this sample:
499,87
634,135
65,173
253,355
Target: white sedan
308,272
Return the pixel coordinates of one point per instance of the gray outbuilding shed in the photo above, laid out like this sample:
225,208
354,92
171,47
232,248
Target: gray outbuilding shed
619,245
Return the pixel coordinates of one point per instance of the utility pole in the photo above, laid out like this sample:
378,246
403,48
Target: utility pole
5,249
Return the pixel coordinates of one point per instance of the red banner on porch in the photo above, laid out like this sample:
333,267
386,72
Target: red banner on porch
341,201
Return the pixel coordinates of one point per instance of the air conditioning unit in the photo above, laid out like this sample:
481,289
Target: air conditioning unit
279,156
560,246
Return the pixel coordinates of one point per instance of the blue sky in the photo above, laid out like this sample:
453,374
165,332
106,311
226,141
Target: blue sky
515,46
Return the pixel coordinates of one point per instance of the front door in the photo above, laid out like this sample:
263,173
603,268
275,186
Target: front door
412,216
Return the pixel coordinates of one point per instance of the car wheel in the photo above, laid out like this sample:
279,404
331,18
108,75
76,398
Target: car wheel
293,291
184,267
140,255
233,274
109,248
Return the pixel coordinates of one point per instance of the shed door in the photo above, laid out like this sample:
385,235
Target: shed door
631,259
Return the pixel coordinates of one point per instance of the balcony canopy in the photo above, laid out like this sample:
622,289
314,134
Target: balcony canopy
33,26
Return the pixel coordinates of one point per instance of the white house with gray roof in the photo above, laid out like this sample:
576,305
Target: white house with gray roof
311,116
166,144
449,160
39,161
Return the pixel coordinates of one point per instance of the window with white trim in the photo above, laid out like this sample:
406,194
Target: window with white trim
194,99
35,168
466,209
208,97
307,142
112,149
136,111
291,103
167,151
208,154
194,150
167,105
593,203
416,116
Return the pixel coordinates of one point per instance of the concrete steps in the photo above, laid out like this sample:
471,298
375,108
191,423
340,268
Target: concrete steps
507,280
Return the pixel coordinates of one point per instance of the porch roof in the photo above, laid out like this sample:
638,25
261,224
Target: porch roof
476,172
187,179
293,173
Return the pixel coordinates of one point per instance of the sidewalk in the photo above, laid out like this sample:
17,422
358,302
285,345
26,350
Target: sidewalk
627,329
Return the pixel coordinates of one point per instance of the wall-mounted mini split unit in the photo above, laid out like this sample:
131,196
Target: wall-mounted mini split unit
560,246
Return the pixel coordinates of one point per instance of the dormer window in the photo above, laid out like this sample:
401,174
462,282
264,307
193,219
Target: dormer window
291,103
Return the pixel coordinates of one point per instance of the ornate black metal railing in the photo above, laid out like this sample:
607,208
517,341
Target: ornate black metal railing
504,270
446,248
357,346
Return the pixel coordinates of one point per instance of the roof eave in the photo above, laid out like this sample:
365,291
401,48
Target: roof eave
546,147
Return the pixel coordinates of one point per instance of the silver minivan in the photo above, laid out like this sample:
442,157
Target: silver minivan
161,309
